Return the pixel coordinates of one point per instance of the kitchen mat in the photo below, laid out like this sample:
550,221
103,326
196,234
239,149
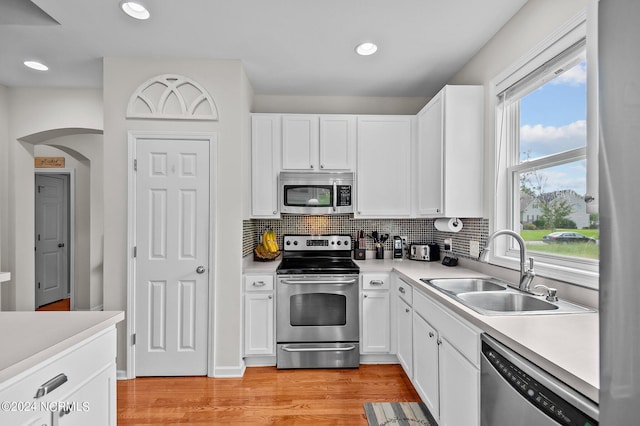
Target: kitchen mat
398,413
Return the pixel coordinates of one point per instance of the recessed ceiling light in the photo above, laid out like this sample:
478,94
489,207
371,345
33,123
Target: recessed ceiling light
367,48
35,65
135,9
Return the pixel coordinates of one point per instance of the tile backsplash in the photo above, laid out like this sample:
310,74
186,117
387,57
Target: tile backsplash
416,230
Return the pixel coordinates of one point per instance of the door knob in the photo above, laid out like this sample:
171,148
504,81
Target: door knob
200,269
61,245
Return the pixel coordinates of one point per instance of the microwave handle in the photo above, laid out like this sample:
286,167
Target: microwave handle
335,195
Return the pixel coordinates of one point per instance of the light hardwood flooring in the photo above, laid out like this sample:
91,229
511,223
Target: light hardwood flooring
60,305
263,396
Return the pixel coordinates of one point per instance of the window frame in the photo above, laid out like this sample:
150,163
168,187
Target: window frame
581,272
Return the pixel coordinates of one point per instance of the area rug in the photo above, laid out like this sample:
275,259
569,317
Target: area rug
398,413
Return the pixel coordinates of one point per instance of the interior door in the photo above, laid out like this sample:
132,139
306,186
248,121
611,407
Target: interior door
172,241
51,232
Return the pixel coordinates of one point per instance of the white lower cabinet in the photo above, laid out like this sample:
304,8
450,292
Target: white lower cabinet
375,329
444,365
76,387
425,366
259,315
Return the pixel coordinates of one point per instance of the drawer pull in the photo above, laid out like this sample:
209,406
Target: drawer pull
51,385
401,290
259,284
376,282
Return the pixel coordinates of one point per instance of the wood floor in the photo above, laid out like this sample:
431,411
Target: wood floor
264,396
60,305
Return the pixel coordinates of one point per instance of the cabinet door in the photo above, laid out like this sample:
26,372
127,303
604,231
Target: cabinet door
265,165
337,142
430,159
459,388
404,333
384,166
91,404
375,322
258,324
425,364
300,142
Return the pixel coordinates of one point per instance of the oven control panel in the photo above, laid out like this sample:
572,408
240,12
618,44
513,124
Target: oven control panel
317,242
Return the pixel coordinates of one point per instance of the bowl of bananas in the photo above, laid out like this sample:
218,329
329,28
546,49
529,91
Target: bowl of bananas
268,248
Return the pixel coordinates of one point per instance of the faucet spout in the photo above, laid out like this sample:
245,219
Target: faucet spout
526,274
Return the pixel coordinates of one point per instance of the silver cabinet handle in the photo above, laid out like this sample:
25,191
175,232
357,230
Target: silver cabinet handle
401,290
407,310
200,269
51,385
320,349
365,296
431,334
319,281
376,282
270,297
259,284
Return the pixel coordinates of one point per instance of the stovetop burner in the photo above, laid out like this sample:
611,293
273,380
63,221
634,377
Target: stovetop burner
317,254
310,265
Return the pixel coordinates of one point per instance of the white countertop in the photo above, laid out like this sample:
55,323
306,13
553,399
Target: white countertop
565,345
29,338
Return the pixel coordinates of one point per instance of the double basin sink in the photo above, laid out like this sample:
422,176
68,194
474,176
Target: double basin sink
490,296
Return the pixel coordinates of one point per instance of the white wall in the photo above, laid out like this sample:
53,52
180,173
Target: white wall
528,28
338,104
31,113
4,187
226,83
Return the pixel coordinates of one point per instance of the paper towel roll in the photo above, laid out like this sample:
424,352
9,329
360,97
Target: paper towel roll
448,224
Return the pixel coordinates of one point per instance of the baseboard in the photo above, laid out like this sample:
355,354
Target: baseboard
229,372
121,375
260,361
378,359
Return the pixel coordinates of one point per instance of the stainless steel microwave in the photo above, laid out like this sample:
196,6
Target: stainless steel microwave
316,192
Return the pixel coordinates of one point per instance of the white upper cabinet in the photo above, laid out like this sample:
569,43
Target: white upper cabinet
315,143
451,153
384,166
337,142
265,165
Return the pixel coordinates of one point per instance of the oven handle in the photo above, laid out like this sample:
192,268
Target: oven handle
335,195
351,281
325,349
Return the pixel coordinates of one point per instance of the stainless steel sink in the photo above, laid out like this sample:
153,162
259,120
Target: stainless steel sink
491,296
506,302
464,285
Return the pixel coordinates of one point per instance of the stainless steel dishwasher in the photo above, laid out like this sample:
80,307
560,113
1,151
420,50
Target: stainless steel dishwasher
515,392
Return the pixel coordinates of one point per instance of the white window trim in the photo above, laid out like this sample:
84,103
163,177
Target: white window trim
579,272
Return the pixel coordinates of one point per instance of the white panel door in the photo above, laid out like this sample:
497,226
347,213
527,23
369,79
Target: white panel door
51,211
404,321
425,364
430,162
459,388
172,240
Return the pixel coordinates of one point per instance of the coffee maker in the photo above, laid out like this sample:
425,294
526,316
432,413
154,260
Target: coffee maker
398,249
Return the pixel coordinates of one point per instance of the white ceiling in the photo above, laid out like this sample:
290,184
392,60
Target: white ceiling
287,47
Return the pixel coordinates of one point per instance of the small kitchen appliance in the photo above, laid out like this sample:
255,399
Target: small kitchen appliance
424,252
397,247
315,193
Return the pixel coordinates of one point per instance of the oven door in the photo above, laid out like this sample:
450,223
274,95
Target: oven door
317,308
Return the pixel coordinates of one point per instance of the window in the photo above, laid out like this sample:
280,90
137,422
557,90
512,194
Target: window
542,149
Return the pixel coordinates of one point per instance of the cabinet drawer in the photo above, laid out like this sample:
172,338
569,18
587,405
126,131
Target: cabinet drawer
405,291
462,335
258,282
375,281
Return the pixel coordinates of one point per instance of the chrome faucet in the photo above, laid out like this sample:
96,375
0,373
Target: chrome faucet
526,274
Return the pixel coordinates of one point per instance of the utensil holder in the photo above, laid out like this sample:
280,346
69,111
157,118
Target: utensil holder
379,251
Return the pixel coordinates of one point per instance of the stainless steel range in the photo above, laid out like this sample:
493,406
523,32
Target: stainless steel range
317,314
